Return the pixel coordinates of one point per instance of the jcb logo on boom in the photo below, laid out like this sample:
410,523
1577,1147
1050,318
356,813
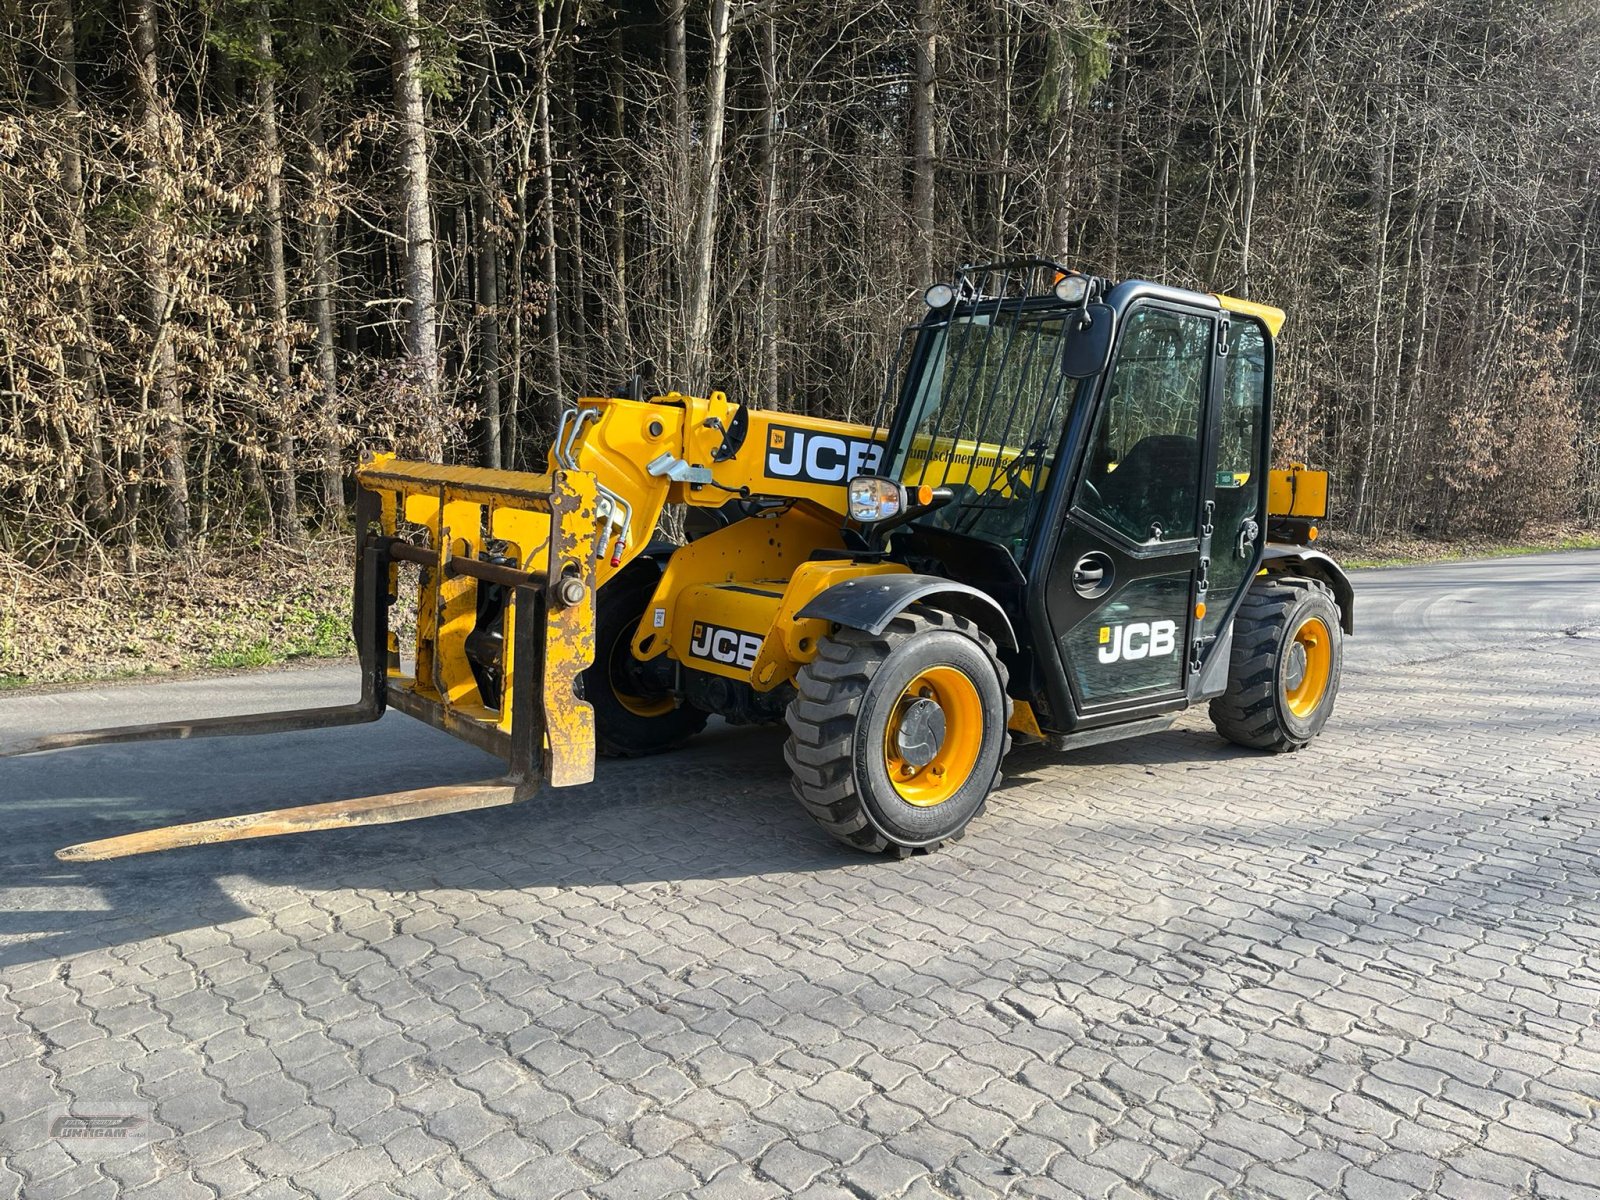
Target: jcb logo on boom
734,647
1138,639
814,457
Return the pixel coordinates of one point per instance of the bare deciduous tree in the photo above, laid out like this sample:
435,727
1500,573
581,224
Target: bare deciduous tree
209,309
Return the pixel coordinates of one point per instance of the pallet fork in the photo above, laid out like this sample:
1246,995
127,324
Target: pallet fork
476,522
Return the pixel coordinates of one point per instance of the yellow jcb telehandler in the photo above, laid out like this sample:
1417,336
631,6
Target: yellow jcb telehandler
1060,524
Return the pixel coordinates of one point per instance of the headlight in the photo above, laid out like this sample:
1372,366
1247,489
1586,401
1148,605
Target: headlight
874,498
939,295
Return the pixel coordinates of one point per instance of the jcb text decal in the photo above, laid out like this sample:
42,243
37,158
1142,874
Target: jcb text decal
1138,639
813,457
733,647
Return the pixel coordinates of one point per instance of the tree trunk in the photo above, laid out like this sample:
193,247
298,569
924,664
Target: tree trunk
678,76
622,325
85,366
1383,202
1003,93
422,322
159,393
323,269
707,187
1259,16
547,181
922,139
486,262
1061,175
566,131
280,417
511,439
767,280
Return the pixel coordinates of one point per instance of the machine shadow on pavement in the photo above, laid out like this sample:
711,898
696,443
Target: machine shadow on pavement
720,809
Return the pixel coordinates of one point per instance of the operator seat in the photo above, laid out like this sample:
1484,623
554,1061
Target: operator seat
1155,483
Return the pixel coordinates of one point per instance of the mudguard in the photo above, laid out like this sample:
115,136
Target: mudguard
1282,559
871,603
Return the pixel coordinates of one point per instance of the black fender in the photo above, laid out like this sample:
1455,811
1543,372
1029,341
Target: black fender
1280,559
872,601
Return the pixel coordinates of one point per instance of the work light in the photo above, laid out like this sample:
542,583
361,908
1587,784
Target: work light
939,295
1071,289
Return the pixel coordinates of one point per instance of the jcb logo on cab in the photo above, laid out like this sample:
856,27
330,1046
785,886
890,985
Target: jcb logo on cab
1138,639
819,457
734,647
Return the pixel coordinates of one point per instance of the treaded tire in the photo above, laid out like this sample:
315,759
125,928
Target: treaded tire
837,722
620,732
1254,711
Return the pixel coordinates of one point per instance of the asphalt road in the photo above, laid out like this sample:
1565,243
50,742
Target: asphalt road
1404,615
1164,967
1415,614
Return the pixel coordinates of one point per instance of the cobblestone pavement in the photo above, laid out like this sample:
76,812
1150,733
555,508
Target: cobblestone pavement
1158,968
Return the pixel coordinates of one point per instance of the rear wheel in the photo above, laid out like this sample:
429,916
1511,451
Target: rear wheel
633,714
1284,674
895,739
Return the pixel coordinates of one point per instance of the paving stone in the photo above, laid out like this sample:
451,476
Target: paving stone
738,1183
1363,1185
790,1166
647,1179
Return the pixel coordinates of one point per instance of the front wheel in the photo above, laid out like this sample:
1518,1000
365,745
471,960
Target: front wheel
633,714
1284,673
895,739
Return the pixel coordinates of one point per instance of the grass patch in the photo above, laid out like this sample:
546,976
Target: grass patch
1412,555
301,631
257,654
318,634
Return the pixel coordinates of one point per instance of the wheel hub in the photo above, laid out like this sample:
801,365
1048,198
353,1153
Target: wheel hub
1308,667
1294,670
933,737
628,682
921,732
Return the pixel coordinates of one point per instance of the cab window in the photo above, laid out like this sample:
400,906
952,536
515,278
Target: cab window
1142,476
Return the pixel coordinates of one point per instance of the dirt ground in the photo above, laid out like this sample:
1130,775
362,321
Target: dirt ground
214,609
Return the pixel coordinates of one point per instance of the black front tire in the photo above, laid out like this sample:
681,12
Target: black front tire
632,718
840,718
1266,706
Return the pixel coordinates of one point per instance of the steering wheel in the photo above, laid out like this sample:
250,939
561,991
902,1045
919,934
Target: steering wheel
1011,477
1111,514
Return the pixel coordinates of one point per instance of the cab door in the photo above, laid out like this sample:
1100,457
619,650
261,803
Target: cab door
1120,592
1237,486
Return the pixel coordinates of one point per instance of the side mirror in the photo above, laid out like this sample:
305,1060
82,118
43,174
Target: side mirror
1087,347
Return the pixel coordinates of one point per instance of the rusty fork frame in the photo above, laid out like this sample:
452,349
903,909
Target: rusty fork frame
523,746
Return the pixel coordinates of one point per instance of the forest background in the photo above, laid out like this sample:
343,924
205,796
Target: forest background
246,242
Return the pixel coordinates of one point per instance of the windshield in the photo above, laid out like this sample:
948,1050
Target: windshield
983,417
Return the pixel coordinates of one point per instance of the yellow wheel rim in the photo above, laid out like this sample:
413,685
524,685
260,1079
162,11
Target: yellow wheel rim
941,776
639,706
1309,668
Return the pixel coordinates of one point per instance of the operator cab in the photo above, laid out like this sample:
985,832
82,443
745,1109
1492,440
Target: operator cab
1094,456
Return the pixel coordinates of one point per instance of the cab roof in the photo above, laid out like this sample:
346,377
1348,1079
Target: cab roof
1269,316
